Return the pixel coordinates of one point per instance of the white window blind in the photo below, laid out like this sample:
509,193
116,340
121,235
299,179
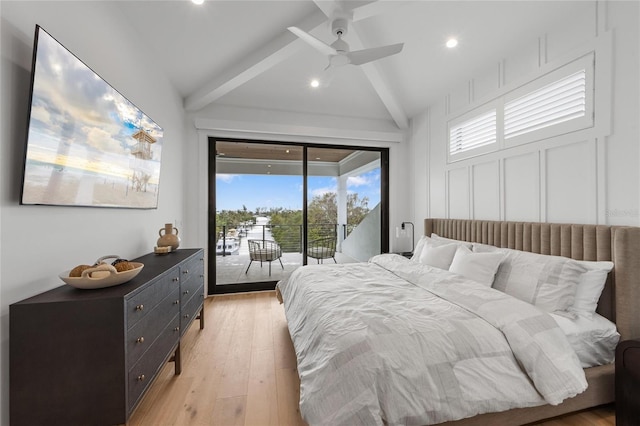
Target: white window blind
560,101
474,133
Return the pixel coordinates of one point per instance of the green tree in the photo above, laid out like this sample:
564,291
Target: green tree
357,209
286,226
322,211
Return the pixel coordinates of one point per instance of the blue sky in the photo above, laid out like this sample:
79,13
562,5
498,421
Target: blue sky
270,191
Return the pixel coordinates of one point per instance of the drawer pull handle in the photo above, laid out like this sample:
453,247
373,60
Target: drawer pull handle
176,279
186,271
177,302
140,339
186,315
141,378
176,329
185,292
201,275
139,307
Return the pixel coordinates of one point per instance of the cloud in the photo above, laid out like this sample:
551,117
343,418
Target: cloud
318,192
358,181
226,178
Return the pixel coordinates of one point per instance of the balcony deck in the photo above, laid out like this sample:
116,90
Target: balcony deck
231,269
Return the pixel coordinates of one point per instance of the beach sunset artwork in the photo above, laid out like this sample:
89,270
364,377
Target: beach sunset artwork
87,144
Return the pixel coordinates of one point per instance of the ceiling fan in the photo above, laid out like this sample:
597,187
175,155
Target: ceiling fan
338,51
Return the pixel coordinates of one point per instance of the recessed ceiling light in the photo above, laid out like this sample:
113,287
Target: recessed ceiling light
315,83
287,151
317,158
451,43
197,1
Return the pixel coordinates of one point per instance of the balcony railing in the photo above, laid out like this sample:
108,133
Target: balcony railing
288,237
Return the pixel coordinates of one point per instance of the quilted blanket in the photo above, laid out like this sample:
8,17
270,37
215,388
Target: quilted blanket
396,342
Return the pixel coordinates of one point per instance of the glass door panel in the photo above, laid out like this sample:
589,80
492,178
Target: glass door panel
258,218
343,205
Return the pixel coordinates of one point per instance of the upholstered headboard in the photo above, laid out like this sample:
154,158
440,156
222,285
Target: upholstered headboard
620,300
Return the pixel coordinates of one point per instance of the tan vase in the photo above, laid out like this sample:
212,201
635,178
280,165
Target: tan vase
168,239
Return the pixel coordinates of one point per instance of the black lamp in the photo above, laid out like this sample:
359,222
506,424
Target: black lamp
407,253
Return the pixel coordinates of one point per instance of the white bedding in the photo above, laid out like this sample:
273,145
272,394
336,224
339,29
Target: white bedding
593,338
397,342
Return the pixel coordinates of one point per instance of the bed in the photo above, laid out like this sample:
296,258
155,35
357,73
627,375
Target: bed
365,371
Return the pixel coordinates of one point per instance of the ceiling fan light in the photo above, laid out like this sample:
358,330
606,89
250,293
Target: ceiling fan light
451,43
314,83
339,60
198,2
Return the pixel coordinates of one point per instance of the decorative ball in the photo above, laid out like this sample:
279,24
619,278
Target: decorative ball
77,271
123,266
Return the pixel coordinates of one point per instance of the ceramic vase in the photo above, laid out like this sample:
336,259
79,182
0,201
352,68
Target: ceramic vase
168,238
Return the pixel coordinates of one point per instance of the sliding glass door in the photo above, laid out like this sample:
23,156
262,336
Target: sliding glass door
277,206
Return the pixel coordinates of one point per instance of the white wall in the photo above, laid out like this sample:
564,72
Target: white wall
38,242
589,176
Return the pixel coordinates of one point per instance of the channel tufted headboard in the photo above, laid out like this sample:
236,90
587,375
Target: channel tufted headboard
620,300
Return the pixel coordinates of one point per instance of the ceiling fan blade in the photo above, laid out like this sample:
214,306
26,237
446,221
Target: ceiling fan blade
316,43
360,57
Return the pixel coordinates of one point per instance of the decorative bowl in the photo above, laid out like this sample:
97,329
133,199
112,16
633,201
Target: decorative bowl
108,276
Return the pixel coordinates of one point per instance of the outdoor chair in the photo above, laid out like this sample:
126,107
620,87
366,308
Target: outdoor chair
264,251
322,248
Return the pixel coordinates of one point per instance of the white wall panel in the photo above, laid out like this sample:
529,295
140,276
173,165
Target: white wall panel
622,147
485,190
522,187
571,183
522,63
563,39
437,160
486,84
459,97
458,193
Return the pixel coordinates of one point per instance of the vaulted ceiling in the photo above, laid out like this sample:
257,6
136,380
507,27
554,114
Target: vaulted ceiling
239,53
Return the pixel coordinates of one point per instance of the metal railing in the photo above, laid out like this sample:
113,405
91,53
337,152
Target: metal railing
288,237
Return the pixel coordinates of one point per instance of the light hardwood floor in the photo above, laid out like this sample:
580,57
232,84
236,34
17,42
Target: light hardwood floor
241,370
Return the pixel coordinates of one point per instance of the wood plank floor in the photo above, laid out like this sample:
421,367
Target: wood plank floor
241,370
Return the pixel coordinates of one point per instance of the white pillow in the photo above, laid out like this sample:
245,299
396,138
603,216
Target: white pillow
418,250
438,255
438,238
548,282
590,287
480,267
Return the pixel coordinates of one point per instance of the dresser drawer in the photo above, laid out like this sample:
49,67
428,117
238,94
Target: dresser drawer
138,306
193,268
190,309
193,285
144,371
145,332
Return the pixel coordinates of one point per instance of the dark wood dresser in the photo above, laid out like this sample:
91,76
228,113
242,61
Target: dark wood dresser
86,357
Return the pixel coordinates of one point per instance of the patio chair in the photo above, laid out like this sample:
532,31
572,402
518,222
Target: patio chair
322,248
264,251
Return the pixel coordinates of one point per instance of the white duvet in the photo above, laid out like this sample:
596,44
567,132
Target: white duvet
397,342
